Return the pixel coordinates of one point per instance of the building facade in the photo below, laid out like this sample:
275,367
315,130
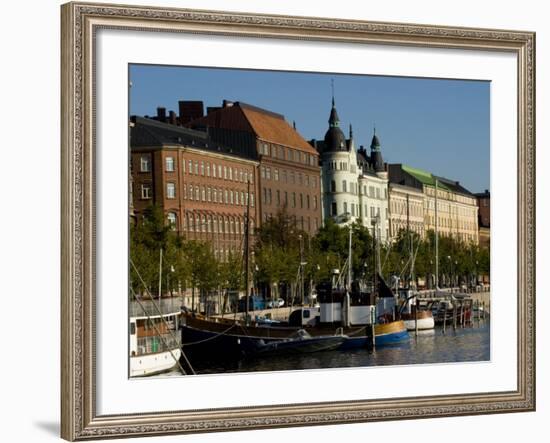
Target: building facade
406,207
289,172
484,207
457,210
202,187
354,183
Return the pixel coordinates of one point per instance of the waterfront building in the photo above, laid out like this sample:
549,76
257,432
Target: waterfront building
406,208
289,172
484,222
457,207
354,183
201,185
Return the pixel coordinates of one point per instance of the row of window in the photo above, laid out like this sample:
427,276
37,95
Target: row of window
210,223
217,195
288,176
200,168
354,209
341,166
373,192
450,223
399,207
283,153
302,223
295,200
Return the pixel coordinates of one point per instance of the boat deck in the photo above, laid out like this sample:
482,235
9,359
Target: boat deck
166,306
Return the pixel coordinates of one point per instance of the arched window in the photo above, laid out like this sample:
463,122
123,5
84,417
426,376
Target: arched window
172,220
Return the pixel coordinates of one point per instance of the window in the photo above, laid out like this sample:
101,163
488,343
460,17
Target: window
237,197
196,168
332,186
276,174
315,202
262,171
377,192
344,186
307,180
172,220
252,200
169,164
208,169
334,209
231,197
209,194
146,192
219,171
345,207
268,173
278,198
190,163
183,167
215,194
170,190
230,174
203,194
302,201
145,165
213,170
293,199
225,172
190,192
308,201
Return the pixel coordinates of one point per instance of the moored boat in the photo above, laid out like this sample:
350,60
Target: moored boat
154,341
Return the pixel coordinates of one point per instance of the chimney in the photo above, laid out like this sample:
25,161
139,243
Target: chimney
227,104
161,114
190,110
173,120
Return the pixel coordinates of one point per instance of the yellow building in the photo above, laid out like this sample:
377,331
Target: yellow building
457,210
406,210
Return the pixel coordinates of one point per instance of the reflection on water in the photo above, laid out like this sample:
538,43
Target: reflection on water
460,345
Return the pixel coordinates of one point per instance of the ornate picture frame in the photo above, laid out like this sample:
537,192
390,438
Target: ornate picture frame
80,22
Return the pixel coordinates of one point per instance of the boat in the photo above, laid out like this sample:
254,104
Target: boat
301,343
154,340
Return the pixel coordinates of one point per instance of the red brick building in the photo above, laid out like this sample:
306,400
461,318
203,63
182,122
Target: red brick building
484,214
289,172
201,185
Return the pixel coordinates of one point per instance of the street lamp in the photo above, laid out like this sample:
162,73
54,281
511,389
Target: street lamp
450,272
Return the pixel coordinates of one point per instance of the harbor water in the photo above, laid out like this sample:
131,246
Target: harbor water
468,344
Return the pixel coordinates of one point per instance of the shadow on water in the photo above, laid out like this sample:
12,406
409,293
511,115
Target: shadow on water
469,344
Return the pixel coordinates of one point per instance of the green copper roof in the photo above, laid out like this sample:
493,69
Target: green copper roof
424,177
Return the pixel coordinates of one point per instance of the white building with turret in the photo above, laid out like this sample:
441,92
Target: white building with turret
354,184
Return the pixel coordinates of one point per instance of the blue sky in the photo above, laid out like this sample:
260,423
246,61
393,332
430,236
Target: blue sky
438,125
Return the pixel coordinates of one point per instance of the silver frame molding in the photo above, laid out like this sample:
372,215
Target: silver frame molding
80,21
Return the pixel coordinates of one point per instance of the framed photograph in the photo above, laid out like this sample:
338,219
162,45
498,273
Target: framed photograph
277,221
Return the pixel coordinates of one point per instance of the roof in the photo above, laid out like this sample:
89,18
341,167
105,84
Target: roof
151,133
428,179
266,125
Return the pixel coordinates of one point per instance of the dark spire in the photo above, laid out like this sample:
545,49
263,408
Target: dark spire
335,140
350,131
376,154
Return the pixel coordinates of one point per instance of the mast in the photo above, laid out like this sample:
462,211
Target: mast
436,241
349,259
246,249
160,275
410,245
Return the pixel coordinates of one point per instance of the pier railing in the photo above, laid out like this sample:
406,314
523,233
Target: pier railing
154,344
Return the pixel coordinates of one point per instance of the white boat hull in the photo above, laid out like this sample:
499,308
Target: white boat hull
150,364
423,324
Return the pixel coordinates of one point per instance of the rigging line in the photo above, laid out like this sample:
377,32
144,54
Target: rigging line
210,338
158,332
160,313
